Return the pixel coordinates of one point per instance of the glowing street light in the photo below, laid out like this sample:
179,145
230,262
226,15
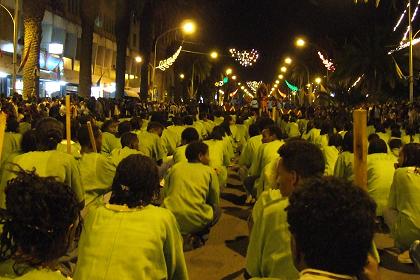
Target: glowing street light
300,43
229,71
139,59
234,77
288,60
281,76
283,69
214,55
181,76
276,85
318,80
277,82
189,27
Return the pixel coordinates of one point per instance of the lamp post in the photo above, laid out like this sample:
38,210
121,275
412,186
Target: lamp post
15,20
411,70
188,27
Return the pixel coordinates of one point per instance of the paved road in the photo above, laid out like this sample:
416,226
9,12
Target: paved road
223,257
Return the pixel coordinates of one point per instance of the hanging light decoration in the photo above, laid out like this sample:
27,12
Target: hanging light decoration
356,83
165,64
245,58
292,87
254,85
327,63
413,17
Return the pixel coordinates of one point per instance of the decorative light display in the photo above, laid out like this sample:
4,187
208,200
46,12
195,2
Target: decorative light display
291,86
356,83
245,58
405,45
327,63
254,85
165,64
408,27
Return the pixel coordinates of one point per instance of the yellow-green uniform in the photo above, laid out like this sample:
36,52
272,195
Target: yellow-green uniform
330,156
122,243
49,163
7,271
109,143
170,141
191,193
292,130
269,253
241,135
250,150
344,166
74,148
151,145
219,159
380,175
266,153
404,198
179,155
119,154
11,145
97,173
321,141
312,135
23,127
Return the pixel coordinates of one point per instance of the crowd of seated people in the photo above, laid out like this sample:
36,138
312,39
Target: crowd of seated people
129,201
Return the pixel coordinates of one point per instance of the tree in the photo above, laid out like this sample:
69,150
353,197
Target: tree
88,14
33,14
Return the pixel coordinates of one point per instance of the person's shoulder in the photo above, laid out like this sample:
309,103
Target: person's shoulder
270,200
407,171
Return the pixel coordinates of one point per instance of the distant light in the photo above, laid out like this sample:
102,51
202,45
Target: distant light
188,27
239,84
225,80
288,60
214,55
139,59
234,77
281,76
276,85
300,42
3,75
277,82
242,87
318,80
182,76
55,48
283,69
8,47
229,71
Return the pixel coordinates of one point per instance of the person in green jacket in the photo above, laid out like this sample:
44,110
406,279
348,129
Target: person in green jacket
344,165
109,140
188,136
192,193
39,224
130,146
96,171
46,160
402,214
129,238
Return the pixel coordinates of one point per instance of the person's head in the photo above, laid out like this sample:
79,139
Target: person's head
155,128
189,135
253,130
332,223
39,221
49,132
335,140
218,133
271,134
373,137
377,146
299,160
136,182
326,128
396,132
188,120
409,155
84,138
110,126
12,125
28,142
130,140
124,127
348,142
395,144
136,123
198,152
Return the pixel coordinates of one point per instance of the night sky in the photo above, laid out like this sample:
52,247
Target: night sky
270,26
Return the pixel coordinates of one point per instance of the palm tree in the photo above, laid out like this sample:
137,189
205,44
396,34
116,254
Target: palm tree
201,70
33,14
88,14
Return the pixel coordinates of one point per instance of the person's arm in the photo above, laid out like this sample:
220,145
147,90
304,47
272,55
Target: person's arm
339,167
213,198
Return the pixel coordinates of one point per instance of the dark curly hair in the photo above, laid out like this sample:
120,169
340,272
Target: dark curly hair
333,224
304,158
411,155
40,212
49,132
136,182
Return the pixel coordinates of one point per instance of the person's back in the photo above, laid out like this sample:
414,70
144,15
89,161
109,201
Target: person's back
344,165
292,130
331,154
189,135
129,238
250,150
192,193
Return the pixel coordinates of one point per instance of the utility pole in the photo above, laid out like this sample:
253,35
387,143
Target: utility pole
15,42
411,74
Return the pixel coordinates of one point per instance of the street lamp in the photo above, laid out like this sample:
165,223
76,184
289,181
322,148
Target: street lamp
277,82
234,77
281,76
15,20
187,27
288,60
214,55
229,71
181,76
300,43
139,59
318,80
283,69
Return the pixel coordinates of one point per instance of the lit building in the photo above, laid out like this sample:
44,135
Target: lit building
60,51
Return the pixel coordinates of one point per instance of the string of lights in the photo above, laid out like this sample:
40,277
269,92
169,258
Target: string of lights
356,83
327,63
254,85
167,63
245,58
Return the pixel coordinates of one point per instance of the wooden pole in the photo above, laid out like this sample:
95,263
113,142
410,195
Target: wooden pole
3,119
92,137
360,148
68,123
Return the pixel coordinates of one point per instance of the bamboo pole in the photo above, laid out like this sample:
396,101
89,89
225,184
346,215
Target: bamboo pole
3,119
68,123
92,137
360,148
